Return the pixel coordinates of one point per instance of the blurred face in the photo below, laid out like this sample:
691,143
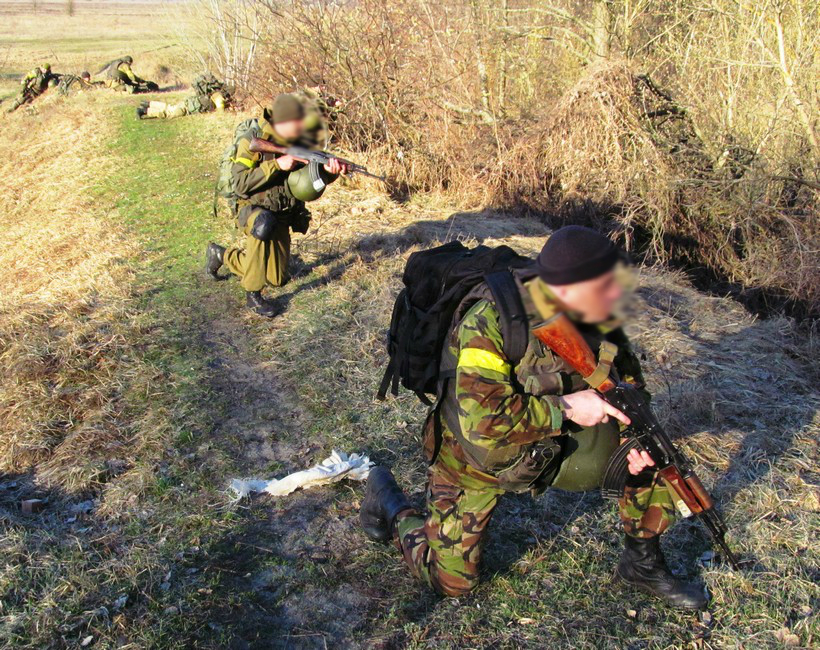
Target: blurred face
593,299
290,130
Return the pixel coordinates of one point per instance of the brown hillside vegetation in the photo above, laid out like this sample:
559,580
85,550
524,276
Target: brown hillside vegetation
689,127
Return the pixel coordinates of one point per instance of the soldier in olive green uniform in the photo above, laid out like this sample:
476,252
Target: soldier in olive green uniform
211,95
34,84
271,194
118,75
526,428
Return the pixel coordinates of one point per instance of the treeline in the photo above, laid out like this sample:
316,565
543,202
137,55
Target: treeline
689,128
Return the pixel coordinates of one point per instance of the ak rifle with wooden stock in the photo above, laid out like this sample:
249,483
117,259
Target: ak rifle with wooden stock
302,154
644,433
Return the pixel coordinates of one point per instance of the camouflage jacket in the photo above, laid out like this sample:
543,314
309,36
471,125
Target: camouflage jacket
36,81
69,82
257,180
495,411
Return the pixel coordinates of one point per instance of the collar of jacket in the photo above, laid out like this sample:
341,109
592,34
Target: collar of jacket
604,327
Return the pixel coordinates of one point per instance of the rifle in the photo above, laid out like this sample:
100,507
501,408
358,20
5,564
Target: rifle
258,145
645,433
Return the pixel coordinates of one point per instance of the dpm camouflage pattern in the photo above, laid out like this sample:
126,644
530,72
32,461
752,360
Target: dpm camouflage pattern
647,510
443,548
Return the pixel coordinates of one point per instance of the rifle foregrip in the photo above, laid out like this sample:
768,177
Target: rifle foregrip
703,496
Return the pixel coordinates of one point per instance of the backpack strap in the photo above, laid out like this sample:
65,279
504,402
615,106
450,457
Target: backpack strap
396,352
507,298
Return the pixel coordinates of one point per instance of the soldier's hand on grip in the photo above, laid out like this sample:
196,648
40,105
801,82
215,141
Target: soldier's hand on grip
638,461
587,408
335,166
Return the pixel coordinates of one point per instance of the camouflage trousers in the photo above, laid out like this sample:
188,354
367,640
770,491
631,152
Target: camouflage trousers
443,547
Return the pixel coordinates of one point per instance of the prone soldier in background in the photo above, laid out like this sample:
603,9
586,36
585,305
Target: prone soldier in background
80,82
211,95
118,75
34,84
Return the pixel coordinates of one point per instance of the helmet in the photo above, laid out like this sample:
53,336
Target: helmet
586,454
85,74
46,66
128,59
309,182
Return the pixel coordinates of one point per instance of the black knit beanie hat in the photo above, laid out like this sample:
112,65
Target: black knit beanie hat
287,108
574,254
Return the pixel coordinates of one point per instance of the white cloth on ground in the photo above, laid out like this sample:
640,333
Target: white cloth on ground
334,468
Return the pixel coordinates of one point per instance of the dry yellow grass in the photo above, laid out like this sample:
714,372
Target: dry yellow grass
88,39
65,289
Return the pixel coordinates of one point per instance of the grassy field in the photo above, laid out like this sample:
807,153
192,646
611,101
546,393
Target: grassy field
134,389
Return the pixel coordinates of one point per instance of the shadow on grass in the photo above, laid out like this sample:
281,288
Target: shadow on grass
297,571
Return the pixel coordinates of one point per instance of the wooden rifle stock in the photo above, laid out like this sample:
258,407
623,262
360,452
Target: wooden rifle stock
562,337
260,145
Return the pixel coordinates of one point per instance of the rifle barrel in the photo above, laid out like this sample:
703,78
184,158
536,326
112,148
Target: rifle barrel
710,520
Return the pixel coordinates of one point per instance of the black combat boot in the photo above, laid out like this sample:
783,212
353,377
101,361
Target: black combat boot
258,305
213,259
383,501
642,565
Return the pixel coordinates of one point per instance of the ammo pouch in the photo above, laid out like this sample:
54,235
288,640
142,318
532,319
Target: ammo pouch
278,200
536,469
531,468
300,222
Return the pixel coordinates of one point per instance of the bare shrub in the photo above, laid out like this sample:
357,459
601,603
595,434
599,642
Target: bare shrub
553,105
223,35
622,143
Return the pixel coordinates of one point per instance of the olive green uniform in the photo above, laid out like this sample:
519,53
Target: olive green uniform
34,84
215,101
119,76
492,416
263,195
210,95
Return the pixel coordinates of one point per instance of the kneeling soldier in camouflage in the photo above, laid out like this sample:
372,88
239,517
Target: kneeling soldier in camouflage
494,418
271,192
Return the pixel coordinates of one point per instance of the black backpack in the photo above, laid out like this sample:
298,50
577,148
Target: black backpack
436,281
